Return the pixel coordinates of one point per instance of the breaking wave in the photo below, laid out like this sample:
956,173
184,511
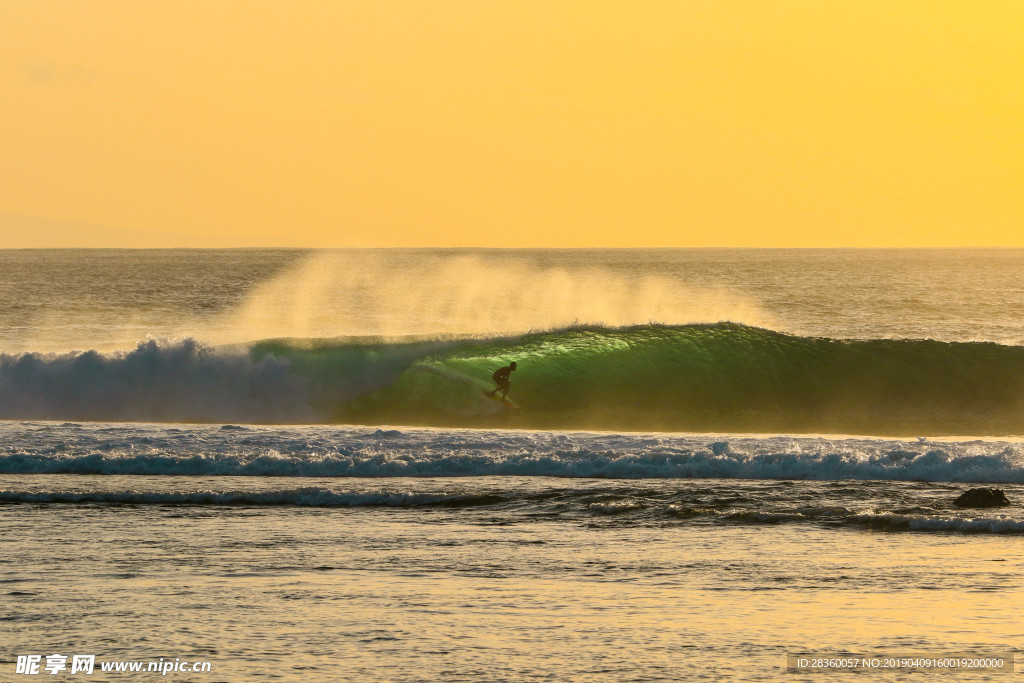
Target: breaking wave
723,377
232,450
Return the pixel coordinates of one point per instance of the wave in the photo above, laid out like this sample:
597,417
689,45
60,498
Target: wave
617,506
897,522
886,521
303,496
704,378
231,450
182,381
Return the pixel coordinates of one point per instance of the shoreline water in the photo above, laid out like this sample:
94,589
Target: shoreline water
453,593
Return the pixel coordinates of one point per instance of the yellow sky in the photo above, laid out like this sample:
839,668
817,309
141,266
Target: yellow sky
516,123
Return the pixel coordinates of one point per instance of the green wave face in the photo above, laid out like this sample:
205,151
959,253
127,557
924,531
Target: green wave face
722,377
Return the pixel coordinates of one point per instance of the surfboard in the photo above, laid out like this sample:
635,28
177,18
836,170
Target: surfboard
498,399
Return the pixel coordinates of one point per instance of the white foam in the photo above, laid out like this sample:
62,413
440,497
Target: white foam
370,452
174,381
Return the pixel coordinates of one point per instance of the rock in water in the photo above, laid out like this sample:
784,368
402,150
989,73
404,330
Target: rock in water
982,498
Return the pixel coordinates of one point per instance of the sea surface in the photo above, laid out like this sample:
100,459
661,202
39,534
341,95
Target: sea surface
284,463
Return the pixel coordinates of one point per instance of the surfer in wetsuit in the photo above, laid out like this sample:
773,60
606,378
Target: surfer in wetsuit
501,378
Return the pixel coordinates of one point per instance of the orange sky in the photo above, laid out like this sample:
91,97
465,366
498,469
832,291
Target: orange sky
516,123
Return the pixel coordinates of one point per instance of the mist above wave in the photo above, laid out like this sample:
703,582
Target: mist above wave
60,301
390,294
383,294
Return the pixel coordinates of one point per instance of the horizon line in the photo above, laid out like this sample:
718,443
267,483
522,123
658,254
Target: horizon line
518,248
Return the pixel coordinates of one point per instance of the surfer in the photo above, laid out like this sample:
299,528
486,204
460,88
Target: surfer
501,378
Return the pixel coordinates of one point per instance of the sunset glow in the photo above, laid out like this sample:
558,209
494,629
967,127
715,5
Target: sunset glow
550,124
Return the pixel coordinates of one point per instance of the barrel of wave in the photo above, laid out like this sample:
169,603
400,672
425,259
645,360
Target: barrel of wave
584,378
722,377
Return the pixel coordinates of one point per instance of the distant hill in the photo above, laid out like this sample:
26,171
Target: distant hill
32,232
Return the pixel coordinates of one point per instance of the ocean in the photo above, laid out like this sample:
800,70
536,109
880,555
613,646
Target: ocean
282,463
